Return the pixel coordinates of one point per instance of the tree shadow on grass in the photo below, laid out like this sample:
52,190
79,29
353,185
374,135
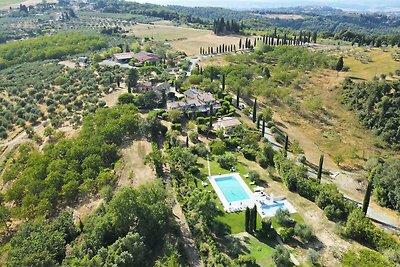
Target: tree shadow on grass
314,243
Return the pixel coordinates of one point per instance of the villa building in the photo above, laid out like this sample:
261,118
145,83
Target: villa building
195,100
141,57
226,124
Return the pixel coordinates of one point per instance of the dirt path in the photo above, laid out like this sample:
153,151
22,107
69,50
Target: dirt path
192,254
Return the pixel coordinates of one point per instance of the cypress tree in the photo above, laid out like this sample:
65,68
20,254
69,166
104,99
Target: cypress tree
263,128
187,141
247,220
237,97
255,110
223,82
251,221
211,118
367,196
254,219
286,145
258,122
339,65
240,43
321,162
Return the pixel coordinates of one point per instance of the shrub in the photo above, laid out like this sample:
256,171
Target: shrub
304,232
287,234
176,126
282,217
194,137
281,257
218,147
227,161
270,124
313,257
254,176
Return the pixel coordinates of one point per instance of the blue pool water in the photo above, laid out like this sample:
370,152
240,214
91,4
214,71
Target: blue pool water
271,209
232,189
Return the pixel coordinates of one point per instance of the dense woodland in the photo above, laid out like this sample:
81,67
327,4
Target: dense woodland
377,104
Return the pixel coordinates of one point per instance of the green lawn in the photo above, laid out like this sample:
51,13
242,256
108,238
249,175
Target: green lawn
261,251
235,221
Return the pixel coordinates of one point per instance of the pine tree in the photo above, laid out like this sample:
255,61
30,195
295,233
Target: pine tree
255,110
321,162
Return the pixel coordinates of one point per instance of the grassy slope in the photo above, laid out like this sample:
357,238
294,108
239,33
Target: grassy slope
382,62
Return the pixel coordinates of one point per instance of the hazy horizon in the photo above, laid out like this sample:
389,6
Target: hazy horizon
366,5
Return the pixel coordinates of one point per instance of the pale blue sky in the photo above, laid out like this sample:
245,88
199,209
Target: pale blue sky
372,5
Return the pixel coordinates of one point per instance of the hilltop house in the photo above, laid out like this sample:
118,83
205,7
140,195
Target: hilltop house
141,57
195,100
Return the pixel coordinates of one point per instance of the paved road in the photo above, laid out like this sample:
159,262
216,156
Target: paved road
372,213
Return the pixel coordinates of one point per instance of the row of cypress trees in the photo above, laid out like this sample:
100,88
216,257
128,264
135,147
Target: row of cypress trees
251,219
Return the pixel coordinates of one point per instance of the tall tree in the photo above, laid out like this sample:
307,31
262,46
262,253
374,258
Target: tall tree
132,78
321,162
367,196
247,220
263,128
286,145
255,110
258,121
237,97
210,118
340,64
254,219
223,82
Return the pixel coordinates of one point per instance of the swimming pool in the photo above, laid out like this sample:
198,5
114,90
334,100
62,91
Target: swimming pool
269,210
231,189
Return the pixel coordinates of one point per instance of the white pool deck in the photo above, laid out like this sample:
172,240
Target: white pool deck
235,205
258,198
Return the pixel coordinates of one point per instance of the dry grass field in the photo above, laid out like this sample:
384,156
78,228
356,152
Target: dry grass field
6,4
184,39
380,62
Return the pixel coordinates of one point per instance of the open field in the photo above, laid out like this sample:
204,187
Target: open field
132,170
184,39
381,62
6,4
